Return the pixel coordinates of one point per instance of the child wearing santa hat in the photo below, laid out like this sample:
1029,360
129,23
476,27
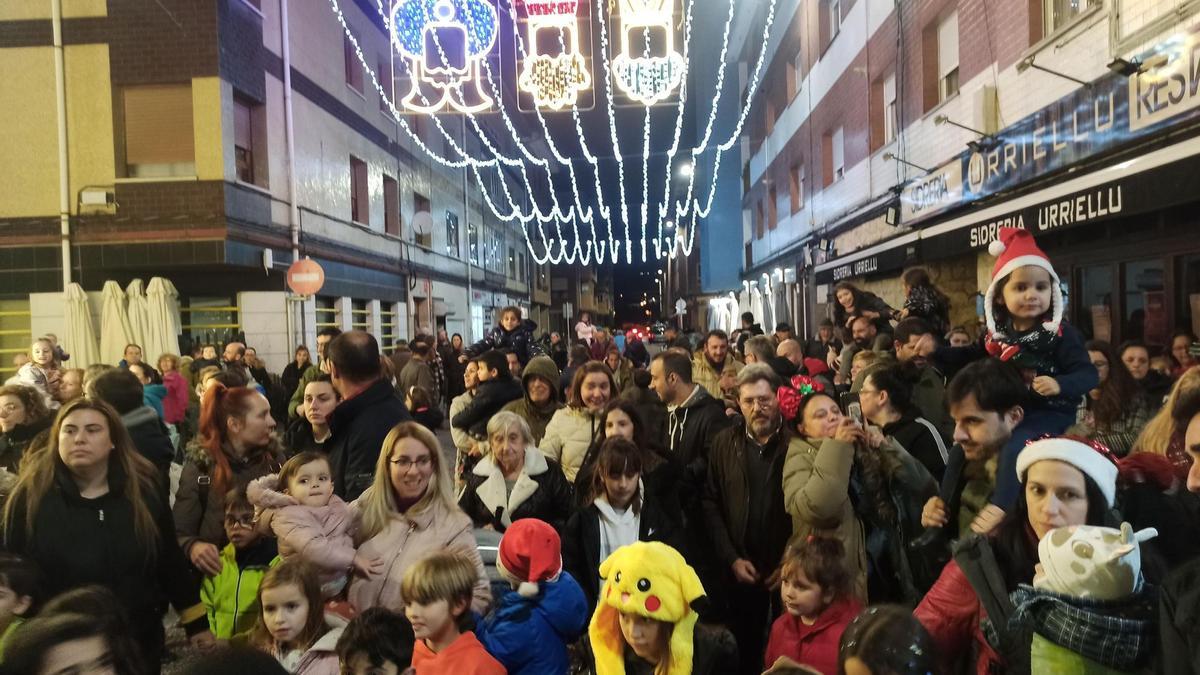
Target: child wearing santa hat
530,628
1024,308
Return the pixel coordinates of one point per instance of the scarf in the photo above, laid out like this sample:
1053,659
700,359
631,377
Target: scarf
1118,634
1029,350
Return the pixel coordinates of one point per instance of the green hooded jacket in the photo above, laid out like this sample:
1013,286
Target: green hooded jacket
537,416
231,597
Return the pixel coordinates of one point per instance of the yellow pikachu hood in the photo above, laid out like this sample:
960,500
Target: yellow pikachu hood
649,579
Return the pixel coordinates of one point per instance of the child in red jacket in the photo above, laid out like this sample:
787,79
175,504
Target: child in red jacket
817,592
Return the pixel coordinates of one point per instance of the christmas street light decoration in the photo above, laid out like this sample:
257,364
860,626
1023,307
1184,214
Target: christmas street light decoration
644,78
554,80
444,42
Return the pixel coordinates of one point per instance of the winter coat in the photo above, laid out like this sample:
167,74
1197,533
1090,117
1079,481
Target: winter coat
691,428
321,658
581,541
584,332
490,398
866,302
231,597
151,439
898,574
559,354
14,442
598,349
464,656
816,492
726,499
623,375
360,424
460,437
537,417
745,335
929,397
176,403
926,302
815,349
323,536
816,645
78,541
417,373
455,373
153,396
704,375
922,439
519,341
568,436
45,380
298,438
1118,435
540,492
407,539
310,373
1179,621
430,418
653,413
529,636
290,378
199,509
637,353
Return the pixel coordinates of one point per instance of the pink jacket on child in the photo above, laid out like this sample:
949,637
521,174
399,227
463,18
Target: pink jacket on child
320,535
176,403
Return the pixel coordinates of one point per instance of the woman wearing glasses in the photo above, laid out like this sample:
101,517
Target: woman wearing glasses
408,513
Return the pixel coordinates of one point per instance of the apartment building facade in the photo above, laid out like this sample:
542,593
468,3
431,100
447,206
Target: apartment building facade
213,143
896,134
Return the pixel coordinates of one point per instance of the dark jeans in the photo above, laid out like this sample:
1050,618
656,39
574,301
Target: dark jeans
751,610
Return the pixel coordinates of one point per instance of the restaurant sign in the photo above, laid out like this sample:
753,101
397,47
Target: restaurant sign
1110,112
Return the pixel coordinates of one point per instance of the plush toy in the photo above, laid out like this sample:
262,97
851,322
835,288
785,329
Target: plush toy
1088,607
649,579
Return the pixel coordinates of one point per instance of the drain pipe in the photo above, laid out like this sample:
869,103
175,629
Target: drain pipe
64,182
290,136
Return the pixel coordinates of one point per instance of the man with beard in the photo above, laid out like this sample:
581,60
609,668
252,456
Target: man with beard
713,367
744,511
863,331
915,344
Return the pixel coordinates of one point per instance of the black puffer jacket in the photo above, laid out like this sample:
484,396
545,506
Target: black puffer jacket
1179,621
518,340
359,426
923,441
16,441
490,398
151,440
541,491
77,541
691,428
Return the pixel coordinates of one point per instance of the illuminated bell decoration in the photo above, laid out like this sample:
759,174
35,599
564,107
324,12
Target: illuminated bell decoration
648,79
554,81
444,42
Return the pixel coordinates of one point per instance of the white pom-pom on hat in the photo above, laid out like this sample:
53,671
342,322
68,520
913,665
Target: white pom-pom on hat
997,248
528,589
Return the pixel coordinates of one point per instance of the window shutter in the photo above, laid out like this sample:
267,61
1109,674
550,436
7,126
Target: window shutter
158,125
948,45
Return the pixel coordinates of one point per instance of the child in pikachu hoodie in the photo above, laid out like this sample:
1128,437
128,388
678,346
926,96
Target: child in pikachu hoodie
645,618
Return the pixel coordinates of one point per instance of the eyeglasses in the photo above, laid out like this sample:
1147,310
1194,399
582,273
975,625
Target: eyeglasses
764,402
241,521
404,463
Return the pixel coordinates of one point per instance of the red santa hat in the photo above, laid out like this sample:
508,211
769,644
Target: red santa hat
1016,248
530,553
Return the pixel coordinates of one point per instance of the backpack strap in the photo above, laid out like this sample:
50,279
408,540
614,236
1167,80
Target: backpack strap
203,483
975,557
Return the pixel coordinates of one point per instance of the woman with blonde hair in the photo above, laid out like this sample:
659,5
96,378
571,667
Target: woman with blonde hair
1161,436
87,509
409,512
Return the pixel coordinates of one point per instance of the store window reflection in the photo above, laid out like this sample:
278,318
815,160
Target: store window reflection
1187,283
1145,303
1093,300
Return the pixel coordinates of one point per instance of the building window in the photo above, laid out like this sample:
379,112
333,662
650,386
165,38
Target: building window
354,70
385,82
421,204
796,185
772,209
512,263
250,141
359,199
835,18
838,154
391,206
947,43
1058,13
890,122
159,140
452,235
760,222
771,115
473,243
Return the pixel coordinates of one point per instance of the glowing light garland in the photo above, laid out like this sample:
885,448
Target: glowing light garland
554,80
648,79
465,63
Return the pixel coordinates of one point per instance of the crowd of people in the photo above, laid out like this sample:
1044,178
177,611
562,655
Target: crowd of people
888,496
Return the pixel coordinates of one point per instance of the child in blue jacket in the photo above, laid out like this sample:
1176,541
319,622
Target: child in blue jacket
511,334
529,630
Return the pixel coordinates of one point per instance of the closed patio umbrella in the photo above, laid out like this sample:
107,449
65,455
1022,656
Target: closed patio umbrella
139,315
115,332
80,338
162,300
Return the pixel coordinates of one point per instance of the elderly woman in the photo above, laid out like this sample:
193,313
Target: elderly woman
572,429
23,415
832,456
235,445
515,480
87,510
409,512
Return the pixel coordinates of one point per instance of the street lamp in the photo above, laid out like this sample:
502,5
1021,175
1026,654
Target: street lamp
685,170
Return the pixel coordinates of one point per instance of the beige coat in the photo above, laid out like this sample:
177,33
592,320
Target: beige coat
404,543
816,492
704,375
568,436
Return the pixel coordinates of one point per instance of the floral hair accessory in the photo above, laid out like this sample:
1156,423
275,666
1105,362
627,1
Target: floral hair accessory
791,397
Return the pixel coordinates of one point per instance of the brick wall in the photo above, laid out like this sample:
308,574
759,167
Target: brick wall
150,43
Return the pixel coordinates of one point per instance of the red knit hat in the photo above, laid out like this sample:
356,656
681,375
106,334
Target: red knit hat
531,552
1016,248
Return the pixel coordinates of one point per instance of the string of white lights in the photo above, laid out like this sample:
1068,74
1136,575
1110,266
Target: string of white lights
612,125
665,204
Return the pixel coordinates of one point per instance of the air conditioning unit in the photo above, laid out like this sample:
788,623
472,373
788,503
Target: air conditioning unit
97,196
